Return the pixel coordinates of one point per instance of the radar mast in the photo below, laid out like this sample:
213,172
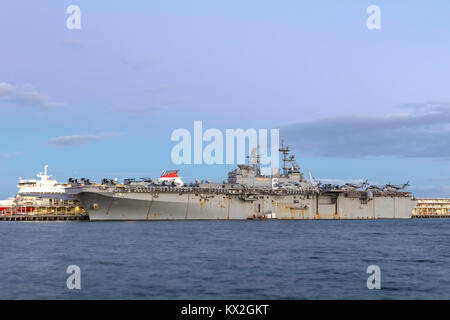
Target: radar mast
285,151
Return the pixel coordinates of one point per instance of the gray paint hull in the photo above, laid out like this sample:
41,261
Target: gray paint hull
194,206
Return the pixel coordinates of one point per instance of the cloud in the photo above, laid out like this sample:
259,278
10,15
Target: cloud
27,96
79,139
138,110
146,101
135,64
5,88
72,43
430,191
422,130
156,89
9,155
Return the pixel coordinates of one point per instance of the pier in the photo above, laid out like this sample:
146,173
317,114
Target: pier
35,208
45,217
431,208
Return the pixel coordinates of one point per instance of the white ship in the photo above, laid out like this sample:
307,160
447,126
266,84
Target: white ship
41,196
45,185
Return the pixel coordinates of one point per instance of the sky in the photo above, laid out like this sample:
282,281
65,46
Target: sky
103,100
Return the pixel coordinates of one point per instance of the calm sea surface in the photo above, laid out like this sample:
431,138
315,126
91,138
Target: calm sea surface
226,259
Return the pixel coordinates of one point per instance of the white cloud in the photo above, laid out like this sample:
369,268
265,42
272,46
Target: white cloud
9,155
79,139
72,43
429,191
143,109
135,64
27,96
422,130
5,88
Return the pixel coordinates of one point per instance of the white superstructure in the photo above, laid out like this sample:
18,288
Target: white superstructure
43,185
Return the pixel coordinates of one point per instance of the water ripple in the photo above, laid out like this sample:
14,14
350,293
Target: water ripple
226,260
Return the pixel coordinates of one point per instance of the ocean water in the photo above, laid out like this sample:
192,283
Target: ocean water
226,259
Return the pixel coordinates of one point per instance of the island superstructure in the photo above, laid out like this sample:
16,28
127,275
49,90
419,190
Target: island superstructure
246,194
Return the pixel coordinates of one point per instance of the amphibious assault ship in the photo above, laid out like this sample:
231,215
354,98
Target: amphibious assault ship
246,194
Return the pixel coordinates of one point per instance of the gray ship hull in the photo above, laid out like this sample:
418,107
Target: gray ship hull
217,206
246,194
